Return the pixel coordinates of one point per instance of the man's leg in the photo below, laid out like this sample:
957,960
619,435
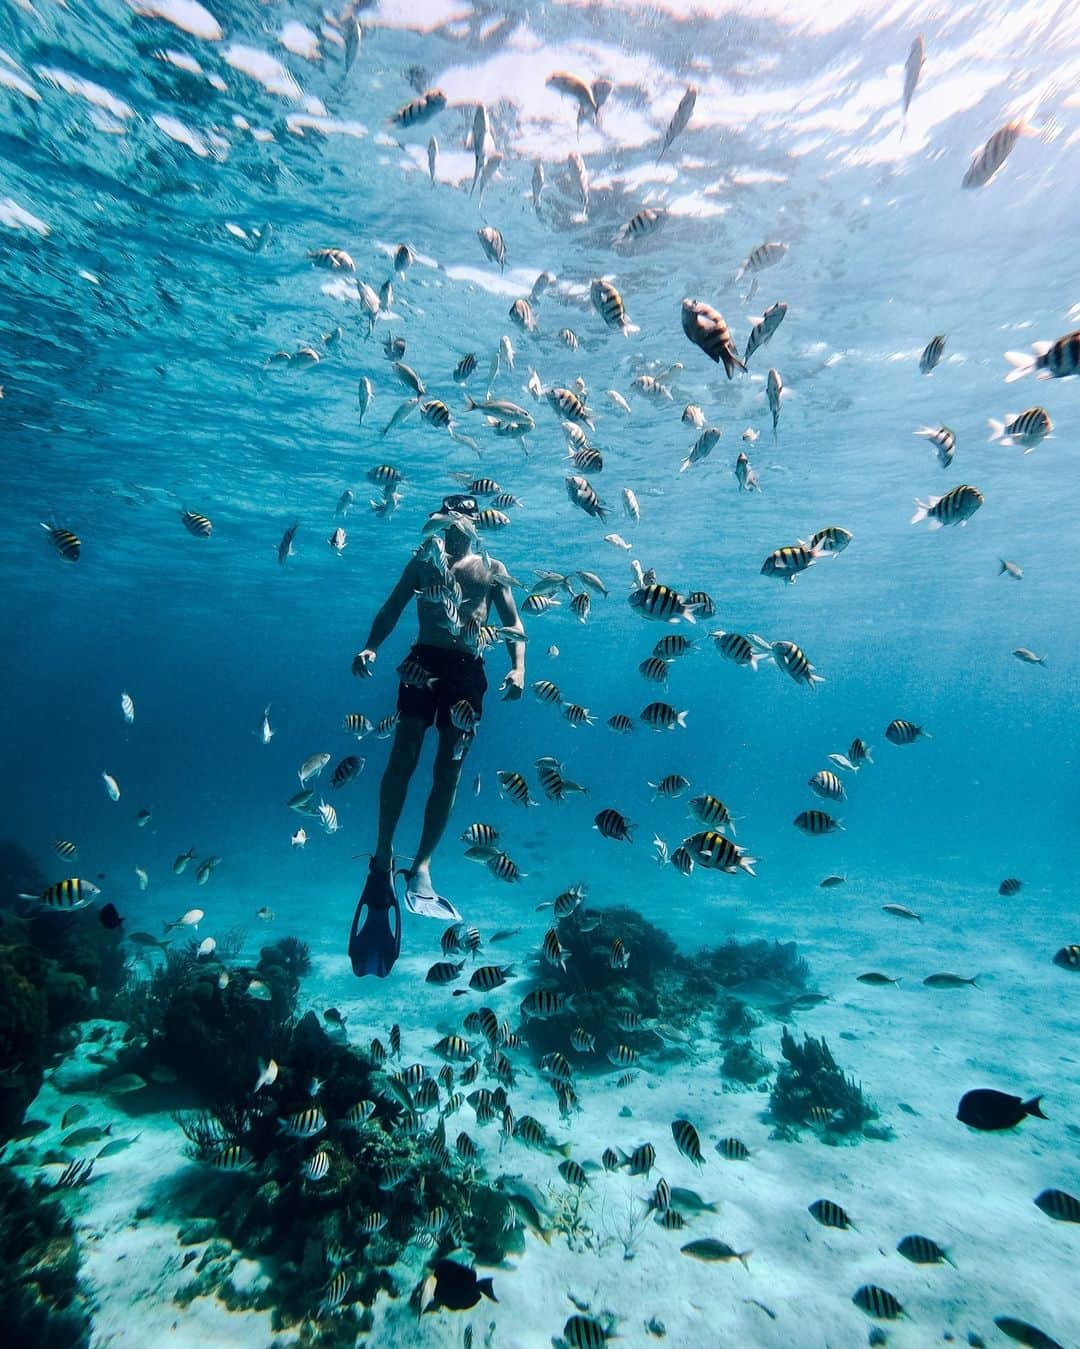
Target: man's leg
440,804
404,755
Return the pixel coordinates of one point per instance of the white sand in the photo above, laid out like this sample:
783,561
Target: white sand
972,1193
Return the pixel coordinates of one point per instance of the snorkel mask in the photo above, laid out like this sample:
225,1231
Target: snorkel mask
461,503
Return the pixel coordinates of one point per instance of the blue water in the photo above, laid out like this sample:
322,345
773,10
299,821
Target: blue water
137,333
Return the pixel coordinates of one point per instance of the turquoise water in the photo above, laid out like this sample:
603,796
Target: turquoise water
155,226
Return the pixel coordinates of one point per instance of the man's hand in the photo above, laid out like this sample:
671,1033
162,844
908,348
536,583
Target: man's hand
513,686
362,663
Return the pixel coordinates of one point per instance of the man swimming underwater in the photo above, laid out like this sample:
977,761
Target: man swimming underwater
442,681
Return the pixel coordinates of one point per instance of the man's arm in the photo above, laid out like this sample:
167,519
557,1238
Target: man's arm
513,686
384,622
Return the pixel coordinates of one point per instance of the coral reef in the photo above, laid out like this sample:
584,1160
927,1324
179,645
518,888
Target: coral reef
665,988
291,953
652,983
40,1300
210,1025
743,1063
753,966
56,969
811,1089
330,1169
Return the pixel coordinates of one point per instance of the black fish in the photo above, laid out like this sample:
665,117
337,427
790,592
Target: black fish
108,917
458,1288
989,1110
1024,1333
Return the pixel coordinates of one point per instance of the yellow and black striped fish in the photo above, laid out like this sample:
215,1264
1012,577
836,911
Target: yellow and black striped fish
480,834
608,303
687,1141
764,328
647,221
765,255
1028,428
660,1200
303,1123
816,822
944,438
487,977
336,1292
513,785
197,524
989,159
622,1056
932,354
921,1250
67,895
1010,886
956,507
877,1302
661,603
672,646
654,669
641,1160
716,852
900,732
829,1214
422,109
701,603
859,752
660,716
612,824
554,952
789,561
1059,1204
557,1065
711,810
67,544
232,1157
543,1003
490,518
621,723
733,1150
827,785
792,659
569,405
1053,360
503,867
705,327
737,648
587,459
357,724
547,692
521,313
831,539
64,847
453,1047
573,1173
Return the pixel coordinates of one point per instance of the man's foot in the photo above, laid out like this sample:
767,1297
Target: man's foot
420,896
375,937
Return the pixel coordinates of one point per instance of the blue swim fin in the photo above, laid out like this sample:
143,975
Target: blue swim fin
375,937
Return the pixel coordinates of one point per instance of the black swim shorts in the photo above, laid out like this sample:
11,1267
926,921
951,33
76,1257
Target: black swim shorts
458,674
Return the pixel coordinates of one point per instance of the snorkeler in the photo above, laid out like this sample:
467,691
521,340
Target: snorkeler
442,681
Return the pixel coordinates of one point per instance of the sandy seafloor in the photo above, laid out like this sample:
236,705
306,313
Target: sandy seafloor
909,1045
